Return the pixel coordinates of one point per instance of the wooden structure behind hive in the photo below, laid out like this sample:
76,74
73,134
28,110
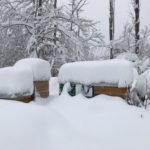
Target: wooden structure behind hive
42,88
112,91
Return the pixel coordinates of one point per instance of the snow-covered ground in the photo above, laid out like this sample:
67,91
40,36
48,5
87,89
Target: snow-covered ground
73,123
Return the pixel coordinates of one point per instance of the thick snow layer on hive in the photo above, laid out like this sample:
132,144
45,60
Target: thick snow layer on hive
113,72
15,81
40,68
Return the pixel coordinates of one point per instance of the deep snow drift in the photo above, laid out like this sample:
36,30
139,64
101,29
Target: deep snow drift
73,123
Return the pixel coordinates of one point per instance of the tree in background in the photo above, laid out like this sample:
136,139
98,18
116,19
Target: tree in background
111,25
136,5
85,30
48,30
75,11
132,38
13,43
126,41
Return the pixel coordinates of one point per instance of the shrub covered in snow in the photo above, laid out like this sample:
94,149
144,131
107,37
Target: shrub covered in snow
15,81
40,68
142,85
141,89
128,56
144,65
109,72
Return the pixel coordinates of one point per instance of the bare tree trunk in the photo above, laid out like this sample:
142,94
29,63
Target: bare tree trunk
137,25
55,32
72,13
78,33
53,61
39,13
111,25
40,7
55,4
40,3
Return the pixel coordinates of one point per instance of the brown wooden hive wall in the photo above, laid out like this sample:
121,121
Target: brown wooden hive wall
42,88
112,91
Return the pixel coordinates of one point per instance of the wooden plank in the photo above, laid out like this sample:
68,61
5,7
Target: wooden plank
41,85
112,91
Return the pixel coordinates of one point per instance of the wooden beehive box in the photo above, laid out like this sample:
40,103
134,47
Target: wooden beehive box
112,91
99,77
95,90
41,88
25,99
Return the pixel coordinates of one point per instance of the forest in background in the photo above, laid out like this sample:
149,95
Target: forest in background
40,28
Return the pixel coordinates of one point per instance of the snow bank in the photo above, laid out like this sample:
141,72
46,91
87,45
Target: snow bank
54,86
26,126
128,56
40,68
110,72
142,85
74,123
15,81
103,122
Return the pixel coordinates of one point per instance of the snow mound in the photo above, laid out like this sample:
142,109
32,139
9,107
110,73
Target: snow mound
128,56
110,72
142,85
40,68
26,126
15,81
103,122
74,123
54,86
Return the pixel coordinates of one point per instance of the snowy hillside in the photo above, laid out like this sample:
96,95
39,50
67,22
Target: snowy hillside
73,123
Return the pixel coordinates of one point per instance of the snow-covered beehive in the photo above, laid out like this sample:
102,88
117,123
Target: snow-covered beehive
111,77
41,74
16,83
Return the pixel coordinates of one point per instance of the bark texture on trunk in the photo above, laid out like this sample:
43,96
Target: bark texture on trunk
111,25
137,25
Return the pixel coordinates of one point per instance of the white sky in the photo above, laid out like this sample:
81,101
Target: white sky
98,10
